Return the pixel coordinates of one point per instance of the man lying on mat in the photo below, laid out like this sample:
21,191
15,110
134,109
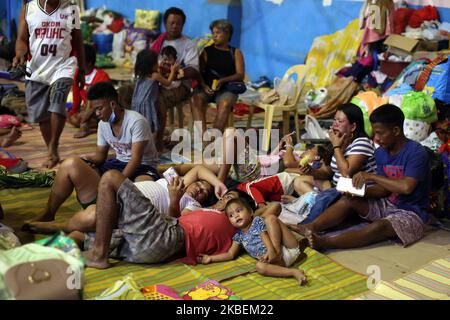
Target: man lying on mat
196,194
126,132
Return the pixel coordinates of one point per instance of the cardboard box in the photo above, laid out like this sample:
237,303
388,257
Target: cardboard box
427,45
418,55
401,46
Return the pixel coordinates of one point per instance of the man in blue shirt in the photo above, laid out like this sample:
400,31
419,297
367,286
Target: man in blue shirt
396,205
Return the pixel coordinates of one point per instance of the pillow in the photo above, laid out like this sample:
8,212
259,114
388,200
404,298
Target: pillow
147,19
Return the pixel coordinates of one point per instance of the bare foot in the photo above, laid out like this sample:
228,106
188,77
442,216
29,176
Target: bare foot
28,226
300,276
45,227
316,242
93,261
11,137
52,161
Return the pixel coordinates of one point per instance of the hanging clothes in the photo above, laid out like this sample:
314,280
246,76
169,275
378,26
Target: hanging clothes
377,20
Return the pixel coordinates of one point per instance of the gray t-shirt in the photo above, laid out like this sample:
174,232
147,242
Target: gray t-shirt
135,128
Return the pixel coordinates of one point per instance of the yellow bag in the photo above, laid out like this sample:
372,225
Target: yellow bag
146,19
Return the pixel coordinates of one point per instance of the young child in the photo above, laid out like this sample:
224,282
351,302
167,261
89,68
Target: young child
168,58
146,90
268,240
80,115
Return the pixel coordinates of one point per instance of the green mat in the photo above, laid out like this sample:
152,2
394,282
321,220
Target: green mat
327,279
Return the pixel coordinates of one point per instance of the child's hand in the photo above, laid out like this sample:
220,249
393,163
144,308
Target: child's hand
180,74
204,259
273,256
174,68
305,170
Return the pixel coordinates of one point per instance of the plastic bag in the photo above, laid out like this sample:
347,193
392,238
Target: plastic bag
285,88
118,52
419,106
313,129
439,82
416,130
367,102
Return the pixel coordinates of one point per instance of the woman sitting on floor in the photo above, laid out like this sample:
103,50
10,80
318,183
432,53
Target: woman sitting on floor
353,152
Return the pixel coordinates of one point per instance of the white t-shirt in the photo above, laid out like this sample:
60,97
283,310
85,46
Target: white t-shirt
135,128
50,40
363,146
158,193
187,55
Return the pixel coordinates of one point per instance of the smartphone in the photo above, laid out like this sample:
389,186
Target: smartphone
170,174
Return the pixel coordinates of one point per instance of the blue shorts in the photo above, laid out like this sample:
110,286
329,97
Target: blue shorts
143,169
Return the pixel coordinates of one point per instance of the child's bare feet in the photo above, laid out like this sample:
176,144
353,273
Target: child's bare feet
11,137
300,276
93,261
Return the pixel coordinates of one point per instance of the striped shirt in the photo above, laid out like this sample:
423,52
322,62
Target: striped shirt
363,146
158,193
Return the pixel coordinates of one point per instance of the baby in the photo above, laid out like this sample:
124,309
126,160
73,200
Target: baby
168,58
268,240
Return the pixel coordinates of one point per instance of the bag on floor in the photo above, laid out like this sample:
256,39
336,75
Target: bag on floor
8,239
35,272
